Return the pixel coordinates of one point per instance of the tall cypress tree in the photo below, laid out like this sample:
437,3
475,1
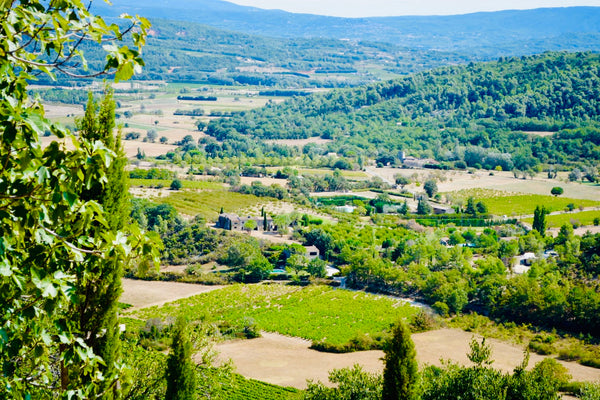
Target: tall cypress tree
181,373
99,288
400,373
539,219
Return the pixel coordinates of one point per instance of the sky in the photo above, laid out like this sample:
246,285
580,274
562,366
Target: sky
372,8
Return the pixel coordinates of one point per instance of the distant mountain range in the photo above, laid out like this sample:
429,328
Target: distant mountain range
483,35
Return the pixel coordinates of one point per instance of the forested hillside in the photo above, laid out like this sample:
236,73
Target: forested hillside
202,54
199,53
475,114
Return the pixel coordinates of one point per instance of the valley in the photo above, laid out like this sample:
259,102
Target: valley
233,203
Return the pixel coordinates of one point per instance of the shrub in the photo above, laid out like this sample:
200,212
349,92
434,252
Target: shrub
573,353
176,184
441,308
541,348
422,321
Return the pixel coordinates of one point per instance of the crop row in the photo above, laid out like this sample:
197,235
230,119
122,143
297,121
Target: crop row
317,313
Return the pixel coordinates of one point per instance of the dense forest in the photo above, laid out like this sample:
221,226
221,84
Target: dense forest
481,114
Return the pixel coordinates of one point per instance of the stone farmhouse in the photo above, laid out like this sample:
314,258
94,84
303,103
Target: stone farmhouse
233,222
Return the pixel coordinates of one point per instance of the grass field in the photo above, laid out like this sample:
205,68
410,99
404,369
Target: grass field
504,203
583,218
207,204
252,389
187,184
317,313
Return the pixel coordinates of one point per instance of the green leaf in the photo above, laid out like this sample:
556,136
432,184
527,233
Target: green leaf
5,269
3,335
42,174
70,198
125,72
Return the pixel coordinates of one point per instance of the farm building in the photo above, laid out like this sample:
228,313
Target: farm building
233,222
441,209
312,252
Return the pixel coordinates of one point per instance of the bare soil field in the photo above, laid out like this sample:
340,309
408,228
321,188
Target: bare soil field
365,194
247,180
582,230
150,149
142,294
450,181
288,361
58,111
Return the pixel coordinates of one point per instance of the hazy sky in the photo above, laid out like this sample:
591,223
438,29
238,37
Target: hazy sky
367,8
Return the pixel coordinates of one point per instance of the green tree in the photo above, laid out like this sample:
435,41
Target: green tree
317,267
401,180
403,209
481,207
351,384
258,269
539,219
430,187
557,191
471,206
181,370
99,287
282,222
400,372
50,234
297,263
250,225
423,207
176,184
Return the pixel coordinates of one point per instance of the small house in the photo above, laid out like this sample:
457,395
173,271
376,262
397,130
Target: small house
233,222
312,252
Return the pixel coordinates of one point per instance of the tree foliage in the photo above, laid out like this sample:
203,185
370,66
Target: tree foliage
400,372
539,219
352,383
53,237
181,373
98,286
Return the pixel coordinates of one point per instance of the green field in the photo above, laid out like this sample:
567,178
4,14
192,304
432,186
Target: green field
583,218
317,313
207,204
187,184
251,389
504,203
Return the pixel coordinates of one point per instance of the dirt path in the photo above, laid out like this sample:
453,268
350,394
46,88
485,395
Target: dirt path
288,361
142,294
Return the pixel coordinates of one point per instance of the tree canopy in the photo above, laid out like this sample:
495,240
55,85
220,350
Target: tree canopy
50,232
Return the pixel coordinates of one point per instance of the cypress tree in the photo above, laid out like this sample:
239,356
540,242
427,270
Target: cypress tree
400,373
539,219
99,287
181,373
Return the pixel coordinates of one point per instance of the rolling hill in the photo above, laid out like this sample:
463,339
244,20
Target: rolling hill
484,114
482,35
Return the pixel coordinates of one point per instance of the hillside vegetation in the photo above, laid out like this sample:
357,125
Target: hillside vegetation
493,34
479,114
